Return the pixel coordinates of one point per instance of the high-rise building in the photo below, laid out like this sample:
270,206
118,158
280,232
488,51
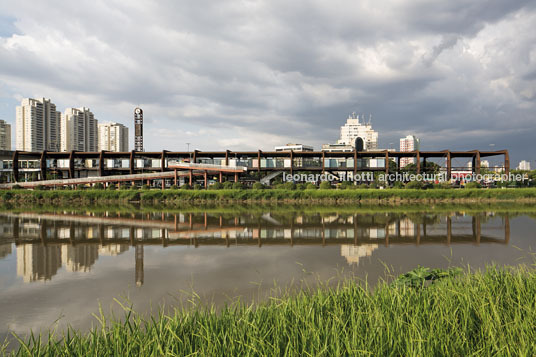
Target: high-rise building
38,262
37,125
113,137
79,257
5,135
358,134
79,130
524,165
409,143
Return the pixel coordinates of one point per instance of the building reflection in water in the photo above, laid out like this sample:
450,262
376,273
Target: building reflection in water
45,242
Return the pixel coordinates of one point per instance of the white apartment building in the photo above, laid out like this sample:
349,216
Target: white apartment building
79,130
409,143
113,137
37,125
5,135
355,132
524,165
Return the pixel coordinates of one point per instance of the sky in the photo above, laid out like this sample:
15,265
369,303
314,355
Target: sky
248,75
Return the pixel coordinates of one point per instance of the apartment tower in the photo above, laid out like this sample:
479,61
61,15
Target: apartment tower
37,125
113,137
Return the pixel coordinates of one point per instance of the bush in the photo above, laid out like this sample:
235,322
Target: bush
473,184
258,186
16,187
310,186
325,185
39,188
363,186
145,187
227,185
398,184
346,185
216,186
98,186
416,185
174,187
134,187
197,186
288,186
124,187
111,186
237,186
81,187
186,186
301,186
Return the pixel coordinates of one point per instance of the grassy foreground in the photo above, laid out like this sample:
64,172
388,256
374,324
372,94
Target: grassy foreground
173,196
484,313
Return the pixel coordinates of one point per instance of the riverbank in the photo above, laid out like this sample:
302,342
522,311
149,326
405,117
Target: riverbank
486,313
308,196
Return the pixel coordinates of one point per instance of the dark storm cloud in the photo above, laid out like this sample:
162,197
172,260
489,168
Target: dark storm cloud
254,73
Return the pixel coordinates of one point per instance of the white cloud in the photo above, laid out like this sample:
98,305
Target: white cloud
278,70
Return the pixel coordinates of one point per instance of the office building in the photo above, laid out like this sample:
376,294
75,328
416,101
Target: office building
79,130
524,165
113,137
358,134
37,125
294,147
409,143
5,135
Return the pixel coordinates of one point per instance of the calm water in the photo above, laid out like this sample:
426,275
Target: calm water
55,268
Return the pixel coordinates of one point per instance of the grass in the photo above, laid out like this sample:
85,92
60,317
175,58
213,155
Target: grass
180,196
491,312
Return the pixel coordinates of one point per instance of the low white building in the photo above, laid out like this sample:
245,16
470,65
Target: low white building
293,147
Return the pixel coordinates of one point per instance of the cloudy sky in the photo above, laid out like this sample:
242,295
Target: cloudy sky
244,75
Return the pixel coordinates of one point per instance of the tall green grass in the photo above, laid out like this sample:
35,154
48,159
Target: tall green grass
484,313
151,196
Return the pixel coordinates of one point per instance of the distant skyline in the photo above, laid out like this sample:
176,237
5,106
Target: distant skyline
244,75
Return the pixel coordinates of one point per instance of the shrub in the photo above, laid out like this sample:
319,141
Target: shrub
472,184
301,186
98,186
174,187
237,186
258,186
134,187
145,187
311,186
216,186
325,185
227,185
288,186
186,186
346,185
363,186
444,185
16,187
416,185
197,186
124,187
111,186
398,184
39,188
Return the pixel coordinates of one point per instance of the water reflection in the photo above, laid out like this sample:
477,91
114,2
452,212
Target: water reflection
45,242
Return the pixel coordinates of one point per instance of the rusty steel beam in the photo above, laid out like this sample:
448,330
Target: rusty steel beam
43,165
